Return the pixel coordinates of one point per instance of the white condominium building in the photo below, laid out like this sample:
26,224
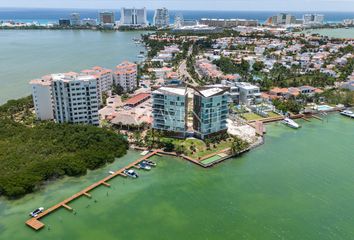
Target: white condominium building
126,76
104,79
133,17
313,19
75,19
281,19
161,18
170,110
75,98
42,98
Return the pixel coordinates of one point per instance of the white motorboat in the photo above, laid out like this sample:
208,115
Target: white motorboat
290,123
150,163
347,113
36,212
131,173
144,166
111,172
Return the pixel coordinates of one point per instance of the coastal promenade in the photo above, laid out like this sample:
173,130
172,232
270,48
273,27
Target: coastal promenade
34,222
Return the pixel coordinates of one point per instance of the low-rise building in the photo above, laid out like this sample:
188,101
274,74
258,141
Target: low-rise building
249,94
137,99
228,23
348,85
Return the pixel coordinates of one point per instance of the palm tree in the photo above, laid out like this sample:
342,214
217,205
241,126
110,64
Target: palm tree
238,145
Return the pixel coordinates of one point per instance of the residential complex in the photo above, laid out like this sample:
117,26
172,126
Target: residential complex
66,98
89,22
107,17
104,79
75,99
281,19
133,17
64,22
210,111
178,21
125,75
75,19
228,23
313,19
161,18
170,110
42,98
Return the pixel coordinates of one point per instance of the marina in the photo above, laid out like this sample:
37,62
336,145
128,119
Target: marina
34,222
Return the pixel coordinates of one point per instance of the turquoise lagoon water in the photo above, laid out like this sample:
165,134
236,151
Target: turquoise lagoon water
30,54
298,185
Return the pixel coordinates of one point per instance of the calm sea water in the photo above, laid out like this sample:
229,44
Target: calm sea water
52,15
335,33
26,55
299,185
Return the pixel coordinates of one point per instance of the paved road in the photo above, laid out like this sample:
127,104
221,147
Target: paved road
182,70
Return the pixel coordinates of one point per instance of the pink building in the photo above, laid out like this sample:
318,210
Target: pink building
125,75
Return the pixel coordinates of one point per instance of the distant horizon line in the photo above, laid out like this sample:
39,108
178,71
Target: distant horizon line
191,10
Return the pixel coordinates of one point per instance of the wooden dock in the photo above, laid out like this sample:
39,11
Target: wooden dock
34,222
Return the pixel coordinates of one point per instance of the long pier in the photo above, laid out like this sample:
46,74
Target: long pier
34,222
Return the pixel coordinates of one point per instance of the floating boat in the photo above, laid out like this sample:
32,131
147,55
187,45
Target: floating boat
36,212
111,172
150,163
144,153
131,173
347,113
144,166
290,123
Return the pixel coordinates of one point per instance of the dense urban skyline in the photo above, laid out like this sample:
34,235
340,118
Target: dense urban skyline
257,5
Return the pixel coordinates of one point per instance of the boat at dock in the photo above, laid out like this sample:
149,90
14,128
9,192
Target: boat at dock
144,166
150,163
131,173
347,113
111,172
144,153
36,212
290,123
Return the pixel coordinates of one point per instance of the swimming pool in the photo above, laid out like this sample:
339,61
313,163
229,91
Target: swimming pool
324,108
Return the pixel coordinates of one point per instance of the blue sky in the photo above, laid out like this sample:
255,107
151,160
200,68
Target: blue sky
272,5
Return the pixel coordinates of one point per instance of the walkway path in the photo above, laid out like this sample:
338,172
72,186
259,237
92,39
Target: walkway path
36,224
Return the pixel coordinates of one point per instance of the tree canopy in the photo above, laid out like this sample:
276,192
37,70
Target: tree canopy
30,155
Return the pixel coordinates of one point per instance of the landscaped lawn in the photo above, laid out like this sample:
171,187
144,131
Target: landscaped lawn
199,146
251,116
273,114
